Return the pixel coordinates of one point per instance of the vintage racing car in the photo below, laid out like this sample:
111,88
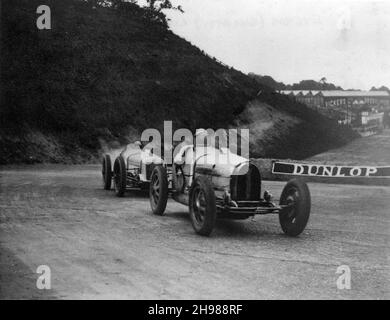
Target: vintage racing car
132,168
212,188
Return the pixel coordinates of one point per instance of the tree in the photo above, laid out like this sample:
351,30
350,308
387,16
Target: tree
323,82
155,10
382,88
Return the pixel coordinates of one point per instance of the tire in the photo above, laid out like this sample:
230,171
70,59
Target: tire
106,172
178,185
158,190
293,220
203,209
120,176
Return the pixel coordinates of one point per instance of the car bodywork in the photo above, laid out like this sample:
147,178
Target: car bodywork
139,164
235,180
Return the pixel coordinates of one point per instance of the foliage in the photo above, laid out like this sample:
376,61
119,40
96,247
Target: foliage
154,9
302,85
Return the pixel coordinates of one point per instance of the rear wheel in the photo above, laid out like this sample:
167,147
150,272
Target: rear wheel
293,219
106,172
120,176
203,210
158,190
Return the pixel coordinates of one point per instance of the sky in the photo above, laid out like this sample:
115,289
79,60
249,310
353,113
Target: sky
346,41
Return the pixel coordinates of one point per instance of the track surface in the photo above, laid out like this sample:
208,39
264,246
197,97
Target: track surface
99,246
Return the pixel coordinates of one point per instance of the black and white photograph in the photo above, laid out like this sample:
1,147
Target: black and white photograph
205,151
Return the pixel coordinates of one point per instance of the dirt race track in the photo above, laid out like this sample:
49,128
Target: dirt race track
99,246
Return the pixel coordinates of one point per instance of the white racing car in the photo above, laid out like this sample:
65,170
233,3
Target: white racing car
212,182
132,169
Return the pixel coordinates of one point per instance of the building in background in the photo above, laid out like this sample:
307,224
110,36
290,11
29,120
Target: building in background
363,110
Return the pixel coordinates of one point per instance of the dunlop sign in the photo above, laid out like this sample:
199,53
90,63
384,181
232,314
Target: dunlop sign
320,170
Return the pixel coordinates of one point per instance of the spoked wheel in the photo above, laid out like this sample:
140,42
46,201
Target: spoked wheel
158,190
199,205
203,210
294,217
106,172
120,176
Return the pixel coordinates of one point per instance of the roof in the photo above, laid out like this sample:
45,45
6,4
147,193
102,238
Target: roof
337,93
299,92
341,93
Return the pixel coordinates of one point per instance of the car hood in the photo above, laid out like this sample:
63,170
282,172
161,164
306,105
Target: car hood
136,156
220,162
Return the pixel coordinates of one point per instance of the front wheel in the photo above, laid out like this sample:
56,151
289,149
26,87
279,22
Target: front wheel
120,176
294,217
203,209
158,190
106,172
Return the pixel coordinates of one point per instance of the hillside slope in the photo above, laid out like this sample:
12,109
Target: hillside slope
104,74
366,151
